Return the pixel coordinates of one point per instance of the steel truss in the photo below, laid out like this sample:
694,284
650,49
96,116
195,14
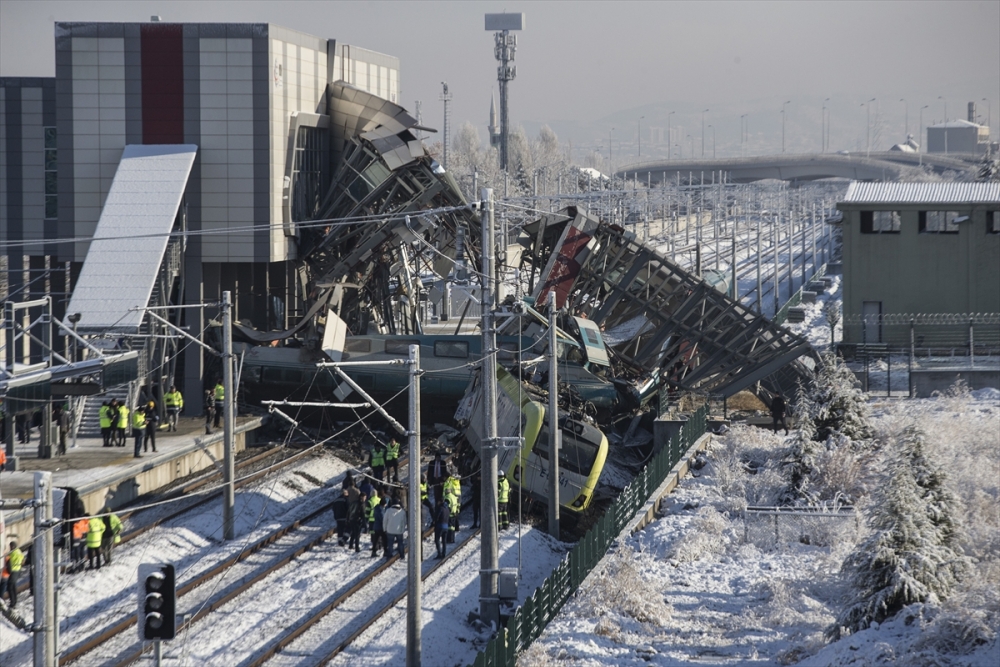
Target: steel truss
655,315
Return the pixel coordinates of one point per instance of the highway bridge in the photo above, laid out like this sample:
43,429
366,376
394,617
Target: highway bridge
883,166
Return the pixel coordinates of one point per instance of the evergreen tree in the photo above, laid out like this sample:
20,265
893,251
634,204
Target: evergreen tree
800,463
911,556
838,404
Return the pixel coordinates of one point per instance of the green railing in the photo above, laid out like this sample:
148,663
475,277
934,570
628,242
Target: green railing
530,619
796,298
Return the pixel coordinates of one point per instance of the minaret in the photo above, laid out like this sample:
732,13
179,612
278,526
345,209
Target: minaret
494,126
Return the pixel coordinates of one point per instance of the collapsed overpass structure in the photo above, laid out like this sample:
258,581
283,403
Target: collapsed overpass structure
655,316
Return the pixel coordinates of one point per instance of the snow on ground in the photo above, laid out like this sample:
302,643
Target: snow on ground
89,601
448,597
699,585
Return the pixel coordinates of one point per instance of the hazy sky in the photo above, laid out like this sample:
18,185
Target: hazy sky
584,67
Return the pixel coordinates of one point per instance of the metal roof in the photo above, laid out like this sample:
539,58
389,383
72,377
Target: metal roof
922,193
127,248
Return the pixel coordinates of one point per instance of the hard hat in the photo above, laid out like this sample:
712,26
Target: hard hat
501,474
152,404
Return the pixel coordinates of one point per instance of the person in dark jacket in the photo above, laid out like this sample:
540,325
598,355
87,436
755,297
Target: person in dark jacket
437,473
442,524
378,528
477,497
354,517
340,515
778,413
152,423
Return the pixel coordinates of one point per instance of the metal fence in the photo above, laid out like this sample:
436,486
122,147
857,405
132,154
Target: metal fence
770,528
529,620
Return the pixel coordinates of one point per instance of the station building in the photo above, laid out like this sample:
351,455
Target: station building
914,250
244,110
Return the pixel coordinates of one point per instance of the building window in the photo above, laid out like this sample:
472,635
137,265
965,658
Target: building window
993,222
51,176
938,222
880,222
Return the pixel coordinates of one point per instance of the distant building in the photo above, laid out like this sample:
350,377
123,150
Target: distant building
958,136
918,248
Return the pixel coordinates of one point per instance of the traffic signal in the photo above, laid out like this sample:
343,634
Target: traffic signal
157,601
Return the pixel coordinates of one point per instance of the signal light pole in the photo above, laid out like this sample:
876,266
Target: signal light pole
157,612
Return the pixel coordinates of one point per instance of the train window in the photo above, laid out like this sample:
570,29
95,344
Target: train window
993,222
507,352
358,345
576,454
456,349
401,347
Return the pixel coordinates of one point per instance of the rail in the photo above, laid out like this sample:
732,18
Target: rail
529,620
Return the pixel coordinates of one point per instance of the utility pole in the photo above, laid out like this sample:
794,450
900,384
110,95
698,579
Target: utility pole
777,278
554,434
760,285
489,602
43,572
505,45
228,467
413,508
446,131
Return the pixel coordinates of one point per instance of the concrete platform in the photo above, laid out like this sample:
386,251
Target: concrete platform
112,476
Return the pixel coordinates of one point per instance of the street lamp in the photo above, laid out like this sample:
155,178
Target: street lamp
906,108
639,123
692,145
669,138
824,140
868,127
703,132
989,116
783,125
610,169
713,140
920,139
941,97
742,134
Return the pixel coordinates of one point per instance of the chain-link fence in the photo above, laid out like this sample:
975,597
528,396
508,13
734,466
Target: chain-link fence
774,528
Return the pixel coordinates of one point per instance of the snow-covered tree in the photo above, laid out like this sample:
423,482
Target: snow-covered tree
803,454
838,405
911,556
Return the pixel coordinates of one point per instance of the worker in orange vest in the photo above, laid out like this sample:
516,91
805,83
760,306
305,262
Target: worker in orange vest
79,550
3,459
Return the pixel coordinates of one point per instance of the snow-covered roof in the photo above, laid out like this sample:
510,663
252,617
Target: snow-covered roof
952,124
922,193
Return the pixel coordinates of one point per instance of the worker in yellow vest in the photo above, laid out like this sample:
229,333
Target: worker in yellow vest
392,461
453,496
11,573
123,413
503,498
370,505
104,416
174,402
138,428
94,539
220,403
425,499
377,461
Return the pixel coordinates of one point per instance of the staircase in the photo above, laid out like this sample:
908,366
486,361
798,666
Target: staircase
89,423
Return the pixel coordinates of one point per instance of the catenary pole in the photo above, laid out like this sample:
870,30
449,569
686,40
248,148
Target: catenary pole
228,471
43,573
554,434
489,603
413,508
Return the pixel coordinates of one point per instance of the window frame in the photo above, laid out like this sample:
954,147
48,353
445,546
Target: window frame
870,226
948,226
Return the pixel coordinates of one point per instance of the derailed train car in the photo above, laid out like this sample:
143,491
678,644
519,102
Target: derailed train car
521,412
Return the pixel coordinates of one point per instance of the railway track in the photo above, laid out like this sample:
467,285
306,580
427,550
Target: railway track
248,567
317,615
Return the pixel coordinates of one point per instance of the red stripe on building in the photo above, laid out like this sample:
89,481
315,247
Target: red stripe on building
162,84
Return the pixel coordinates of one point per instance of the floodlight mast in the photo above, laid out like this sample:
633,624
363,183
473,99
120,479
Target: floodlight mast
505,45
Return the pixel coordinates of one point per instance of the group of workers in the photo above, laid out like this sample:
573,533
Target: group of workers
92,540
368,506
